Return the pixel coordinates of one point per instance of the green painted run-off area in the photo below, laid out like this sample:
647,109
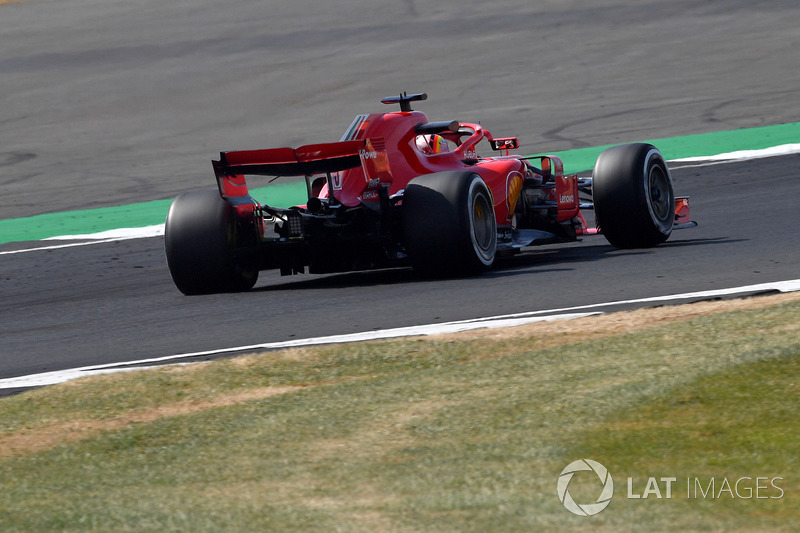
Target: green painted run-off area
579,160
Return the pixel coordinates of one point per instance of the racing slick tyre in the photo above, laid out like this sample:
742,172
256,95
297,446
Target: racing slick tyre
200,237
633,198
449,224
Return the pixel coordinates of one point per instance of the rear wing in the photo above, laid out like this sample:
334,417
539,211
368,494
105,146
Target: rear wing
326,159
303,161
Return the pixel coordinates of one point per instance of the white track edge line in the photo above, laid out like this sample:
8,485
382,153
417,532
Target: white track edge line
60,376
155,230
566,313
122,234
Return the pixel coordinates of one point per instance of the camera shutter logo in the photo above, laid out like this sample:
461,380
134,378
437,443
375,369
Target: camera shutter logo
585,509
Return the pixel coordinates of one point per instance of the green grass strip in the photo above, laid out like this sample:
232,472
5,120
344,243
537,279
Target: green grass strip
285,194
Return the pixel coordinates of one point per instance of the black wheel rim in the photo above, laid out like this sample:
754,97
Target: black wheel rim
483,232
659,195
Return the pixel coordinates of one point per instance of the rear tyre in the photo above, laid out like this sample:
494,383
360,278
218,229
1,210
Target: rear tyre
633,197
449,224
200,239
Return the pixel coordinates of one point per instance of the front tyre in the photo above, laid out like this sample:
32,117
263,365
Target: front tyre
633,197
200,239
449,223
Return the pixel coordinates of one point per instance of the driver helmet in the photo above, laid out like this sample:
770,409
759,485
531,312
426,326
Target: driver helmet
431,144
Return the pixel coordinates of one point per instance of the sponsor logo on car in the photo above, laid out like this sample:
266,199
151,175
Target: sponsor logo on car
566,199
514,183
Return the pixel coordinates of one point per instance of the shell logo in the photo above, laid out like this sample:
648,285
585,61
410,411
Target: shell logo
514,183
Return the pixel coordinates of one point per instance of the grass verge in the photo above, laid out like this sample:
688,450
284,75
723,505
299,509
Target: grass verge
457,433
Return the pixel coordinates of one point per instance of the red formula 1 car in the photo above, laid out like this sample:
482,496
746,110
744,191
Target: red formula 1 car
398,189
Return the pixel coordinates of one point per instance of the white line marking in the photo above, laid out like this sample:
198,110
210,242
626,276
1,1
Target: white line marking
57,246
120,234
516,319
60,376
733,157
113,235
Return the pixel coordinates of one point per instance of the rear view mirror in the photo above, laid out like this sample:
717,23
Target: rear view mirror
508,143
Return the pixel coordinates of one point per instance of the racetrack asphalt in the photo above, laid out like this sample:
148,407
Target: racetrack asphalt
108,102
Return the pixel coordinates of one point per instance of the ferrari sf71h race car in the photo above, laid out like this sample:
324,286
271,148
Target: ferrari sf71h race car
398,189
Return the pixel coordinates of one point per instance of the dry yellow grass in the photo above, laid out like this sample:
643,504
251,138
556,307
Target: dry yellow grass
56,433
552,334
